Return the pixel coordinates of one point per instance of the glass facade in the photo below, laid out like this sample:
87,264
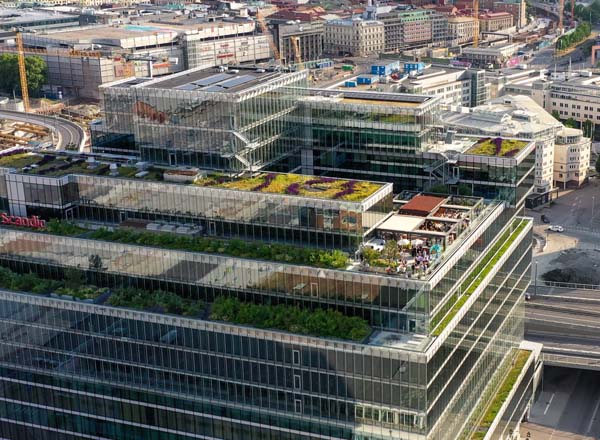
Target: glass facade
290,384
85,369
222,130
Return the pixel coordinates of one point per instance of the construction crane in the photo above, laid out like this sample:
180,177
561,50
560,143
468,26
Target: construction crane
265,30
297,53
476,23
561,12
22,72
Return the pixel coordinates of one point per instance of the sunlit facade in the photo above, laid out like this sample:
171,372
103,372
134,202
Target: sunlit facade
439,334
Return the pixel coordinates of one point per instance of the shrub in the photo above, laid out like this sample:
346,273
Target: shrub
321,323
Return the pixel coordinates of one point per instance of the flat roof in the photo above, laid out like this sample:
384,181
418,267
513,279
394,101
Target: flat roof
402,223
213,80
423,204
380,102
14,16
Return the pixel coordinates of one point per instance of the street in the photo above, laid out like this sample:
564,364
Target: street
567,406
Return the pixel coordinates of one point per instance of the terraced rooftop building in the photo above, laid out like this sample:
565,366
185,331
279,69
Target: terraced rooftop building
254,306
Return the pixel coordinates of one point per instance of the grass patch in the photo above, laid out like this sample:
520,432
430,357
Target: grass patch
19,160
321,323
476,276
501,394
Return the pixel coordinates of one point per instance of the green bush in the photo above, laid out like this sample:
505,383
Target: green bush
322,323
58,227
165,301
237,248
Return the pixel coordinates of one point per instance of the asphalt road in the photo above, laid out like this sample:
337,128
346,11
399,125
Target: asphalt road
67,132
567,407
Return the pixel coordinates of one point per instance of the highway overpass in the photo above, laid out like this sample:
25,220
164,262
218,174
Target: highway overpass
567,322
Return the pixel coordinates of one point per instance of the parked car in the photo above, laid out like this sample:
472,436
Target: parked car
545,219
557,228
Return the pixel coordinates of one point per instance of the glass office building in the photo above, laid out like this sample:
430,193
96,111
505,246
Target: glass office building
221,119
73,369
440,312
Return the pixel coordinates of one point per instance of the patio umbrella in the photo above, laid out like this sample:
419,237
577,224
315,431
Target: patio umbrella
403,242
417,242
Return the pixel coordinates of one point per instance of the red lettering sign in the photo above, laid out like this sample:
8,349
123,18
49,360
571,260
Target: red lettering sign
29,222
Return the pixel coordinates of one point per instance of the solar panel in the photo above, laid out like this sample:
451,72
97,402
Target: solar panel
211,79
238,80
188,86
213,89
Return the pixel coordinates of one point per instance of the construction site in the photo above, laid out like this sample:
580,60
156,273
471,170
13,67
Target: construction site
20,134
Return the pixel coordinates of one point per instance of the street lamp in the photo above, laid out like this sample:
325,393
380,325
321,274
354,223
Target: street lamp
535,275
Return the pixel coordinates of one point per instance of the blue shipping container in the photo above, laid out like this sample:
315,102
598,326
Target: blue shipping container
350,84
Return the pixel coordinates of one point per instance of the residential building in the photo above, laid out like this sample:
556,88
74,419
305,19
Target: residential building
309,37
517,8
461,30
356,37
35,20
413,28
571,158
495,21
575,96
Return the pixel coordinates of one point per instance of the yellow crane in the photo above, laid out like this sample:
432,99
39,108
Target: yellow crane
476,24
22,72
297,53
265,30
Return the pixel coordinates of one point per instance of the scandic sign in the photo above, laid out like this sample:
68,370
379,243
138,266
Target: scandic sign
30,222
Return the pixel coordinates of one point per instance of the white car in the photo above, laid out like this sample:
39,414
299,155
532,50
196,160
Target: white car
557,228
377,244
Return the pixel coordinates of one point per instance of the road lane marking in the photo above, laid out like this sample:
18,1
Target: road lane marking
549,403
589,428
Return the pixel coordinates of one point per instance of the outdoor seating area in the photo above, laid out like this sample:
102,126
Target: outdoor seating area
413,239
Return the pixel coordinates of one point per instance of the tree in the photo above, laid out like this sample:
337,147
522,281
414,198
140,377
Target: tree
9,74
570,123
587,128
391,252
598,165
556,115
465,190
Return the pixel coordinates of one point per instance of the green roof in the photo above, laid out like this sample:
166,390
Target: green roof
296,185
497,147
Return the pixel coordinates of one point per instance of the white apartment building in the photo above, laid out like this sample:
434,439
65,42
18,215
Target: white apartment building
521,117
455,86
356,37
461,30
571,158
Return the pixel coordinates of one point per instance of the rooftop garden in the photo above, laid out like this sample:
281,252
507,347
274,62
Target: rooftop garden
502,393
441,319
296,185
334,259
321,323
497,147
53,165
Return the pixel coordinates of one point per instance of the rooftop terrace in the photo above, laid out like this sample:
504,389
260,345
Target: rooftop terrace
497,147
